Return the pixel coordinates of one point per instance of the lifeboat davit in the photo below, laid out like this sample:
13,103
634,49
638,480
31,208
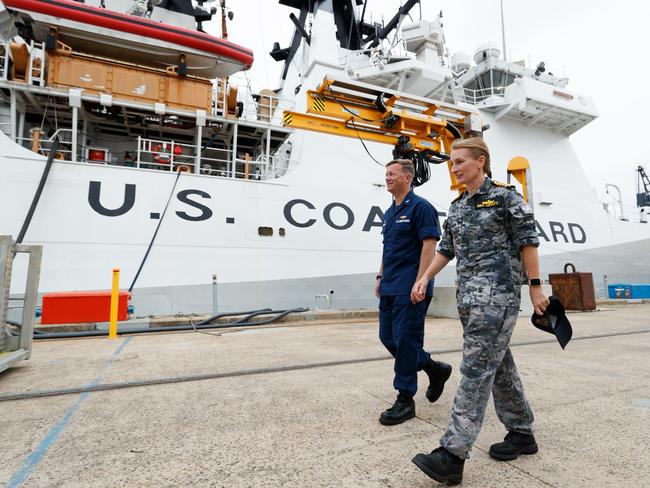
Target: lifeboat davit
103,32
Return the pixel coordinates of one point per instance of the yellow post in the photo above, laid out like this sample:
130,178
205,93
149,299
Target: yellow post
115,298
518,167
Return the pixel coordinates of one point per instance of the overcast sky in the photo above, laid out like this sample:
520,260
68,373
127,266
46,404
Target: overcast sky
601,46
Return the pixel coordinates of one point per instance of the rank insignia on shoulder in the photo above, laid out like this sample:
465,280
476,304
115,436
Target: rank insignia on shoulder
503,185
487,204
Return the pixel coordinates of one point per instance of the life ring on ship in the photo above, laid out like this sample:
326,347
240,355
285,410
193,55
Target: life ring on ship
162,152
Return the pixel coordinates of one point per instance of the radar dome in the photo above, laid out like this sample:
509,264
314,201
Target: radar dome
460,61
484,52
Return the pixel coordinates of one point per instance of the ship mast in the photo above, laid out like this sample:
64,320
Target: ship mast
503,33
224,27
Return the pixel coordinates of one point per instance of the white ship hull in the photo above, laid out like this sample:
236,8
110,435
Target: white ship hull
325,215
81,246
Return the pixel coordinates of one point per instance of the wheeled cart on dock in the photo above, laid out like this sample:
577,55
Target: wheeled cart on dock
16,338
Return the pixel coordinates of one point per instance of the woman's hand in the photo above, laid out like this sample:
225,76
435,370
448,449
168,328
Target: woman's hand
539,299
419,290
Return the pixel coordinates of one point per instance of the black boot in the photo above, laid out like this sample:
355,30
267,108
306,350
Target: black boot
441,465
402,410
513,445
438,373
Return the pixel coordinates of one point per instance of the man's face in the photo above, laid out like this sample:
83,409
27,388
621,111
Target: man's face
397,180
465,167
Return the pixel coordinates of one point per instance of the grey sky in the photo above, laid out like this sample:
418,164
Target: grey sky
597,44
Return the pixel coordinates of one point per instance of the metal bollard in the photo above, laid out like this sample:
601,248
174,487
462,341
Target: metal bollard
115,300
327,299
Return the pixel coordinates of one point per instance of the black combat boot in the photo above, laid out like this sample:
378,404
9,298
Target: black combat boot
402,410
438,373
441,465
513,445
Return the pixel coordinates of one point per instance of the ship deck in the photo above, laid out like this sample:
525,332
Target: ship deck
296,405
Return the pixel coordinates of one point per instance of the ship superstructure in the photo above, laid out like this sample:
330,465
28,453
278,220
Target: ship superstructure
280,215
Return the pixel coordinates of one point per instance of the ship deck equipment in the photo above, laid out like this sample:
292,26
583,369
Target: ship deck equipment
420,128
140,116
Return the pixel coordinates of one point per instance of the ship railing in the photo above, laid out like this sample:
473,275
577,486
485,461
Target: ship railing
474,97
4,62
258,170
162,155
168,155
64,150
236,99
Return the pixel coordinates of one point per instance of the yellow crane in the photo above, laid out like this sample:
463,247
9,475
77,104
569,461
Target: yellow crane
419,129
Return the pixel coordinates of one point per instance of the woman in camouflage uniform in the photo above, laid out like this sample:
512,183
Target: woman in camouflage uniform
491,232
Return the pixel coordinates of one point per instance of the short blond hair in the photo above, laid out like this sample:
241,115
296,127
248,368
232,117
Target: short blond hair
477,147
406,164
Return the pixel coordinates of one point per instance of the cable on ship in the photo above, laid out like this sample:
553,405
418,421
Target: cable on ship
162,216
153,238
403,149
39,191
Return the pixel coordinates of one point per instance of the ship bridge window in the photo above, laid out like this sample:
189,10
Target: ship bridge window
492,82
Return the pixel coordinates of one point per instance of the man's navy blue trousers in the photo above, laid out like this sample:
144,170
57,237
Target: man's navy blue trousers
401,331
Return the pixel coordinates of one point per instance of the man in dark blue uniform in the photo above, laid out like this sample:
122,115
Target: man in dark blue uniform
410,231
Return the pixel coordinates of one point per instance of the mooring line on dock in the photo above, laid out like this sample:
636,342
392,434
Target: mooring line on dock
252,372
50,438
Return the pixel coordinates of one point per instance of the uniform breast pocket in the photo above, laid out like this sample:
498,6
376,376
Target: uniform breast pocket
491,220
489,231
402,226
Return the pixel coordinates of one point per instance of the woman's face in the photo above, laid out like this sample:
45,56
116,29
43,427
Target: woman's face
465,167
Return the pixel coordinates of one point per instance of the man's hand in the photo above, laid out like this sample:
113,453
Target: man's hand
539,299
419,289
377,282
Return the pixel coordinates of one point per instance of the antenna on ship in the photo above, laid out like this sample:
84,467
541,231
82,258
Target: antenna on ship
224,27
503,32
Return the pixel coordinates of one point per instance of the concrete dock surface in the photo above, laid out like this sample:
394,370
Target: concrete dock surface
296,405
